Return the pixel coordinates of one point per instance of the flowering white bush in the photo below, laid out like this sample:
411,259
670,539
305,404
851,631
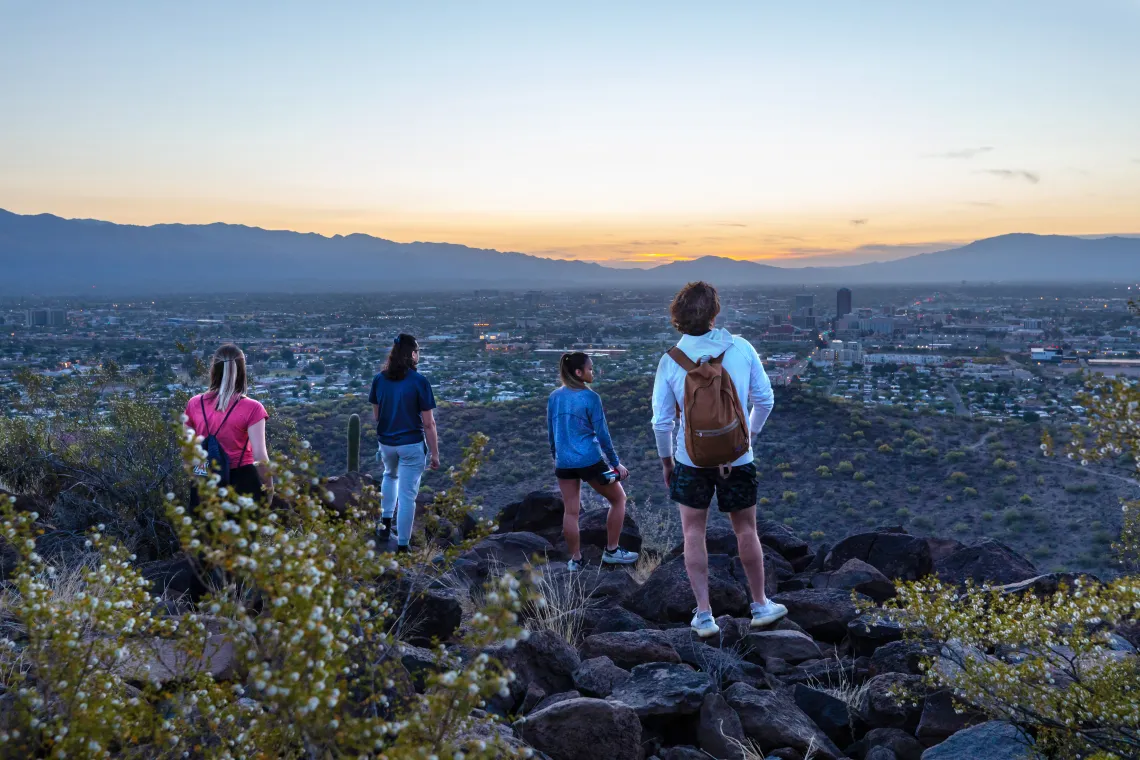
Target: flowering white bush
304,607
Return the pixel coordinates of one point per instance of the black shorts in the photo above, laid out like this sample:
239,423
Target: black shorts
694,487
244,480
591,474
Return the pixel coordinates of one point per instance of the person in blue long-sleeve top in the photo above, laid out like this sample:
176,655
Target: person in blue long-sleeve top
579,438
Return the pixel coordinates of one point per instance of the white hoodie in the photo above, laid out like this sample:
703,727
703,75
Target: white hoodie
743,366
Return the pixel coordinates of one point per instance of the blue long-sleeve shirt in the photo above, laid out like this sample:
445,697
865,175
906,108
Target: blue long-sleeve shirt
577,429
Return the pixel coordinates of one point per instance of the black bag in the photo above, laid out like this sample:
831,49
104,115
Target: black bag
216,458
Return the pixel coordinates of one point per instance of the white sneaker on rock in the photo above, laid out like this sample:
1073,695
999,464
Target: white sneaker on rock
574,565
619,556
767,613
703,624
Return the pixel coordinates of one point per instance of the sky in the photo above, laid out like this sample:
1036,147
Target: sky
623,132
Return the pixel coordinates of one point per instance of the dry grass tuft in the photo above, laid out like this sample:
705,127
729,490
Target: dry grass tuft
562,598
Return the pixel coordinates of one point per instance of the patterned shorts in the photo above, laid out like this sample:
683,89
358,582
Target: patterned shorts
694,487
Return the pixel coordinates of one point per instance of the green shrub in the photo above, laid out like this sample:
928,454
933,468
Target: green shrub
790,497
859,476
961,527
874,504
969,492
823,471
885,449
816,535
902,513
1026,499
844,467
914,489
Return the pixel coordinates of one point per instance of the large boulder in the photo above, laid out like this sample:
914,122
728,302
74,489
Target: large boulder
599,677
822,614
663,689
993,740
830,673
942,718
538,512
583,729
432,615
828,712
666,596
592,529
987,562
892,700
720,734
174,578
609,620
874,629
792,647
782,539
508,550
159,661
485,729
725,665
630,649
898,556
902,657
606,588
773,721
346,491
940,548
888,742
544,659
856,575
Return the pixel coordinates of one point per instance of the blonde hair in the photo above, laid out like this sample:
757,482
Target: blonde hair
228,380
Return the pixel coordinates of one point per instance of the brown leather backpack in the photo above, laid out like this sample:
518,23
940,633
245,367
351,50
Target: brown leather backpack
716,429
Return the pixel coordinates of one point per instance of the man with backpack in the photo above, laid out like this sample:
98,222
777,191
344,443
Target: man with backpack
703,380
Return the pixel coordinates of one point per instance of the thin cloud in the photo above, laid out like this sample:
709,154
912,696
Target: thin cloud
964,153
858,222
730,224
1030,177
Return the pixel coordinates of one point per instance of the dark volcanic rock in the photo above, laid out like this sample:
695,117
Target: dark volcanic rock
872,630
607,587
346,490
630,649
822,614
989,562
901,657
663,689
898,743
432,614
826,711
683,753
175,577
610,620
856,575
884,704
592,528
773,721
533,697
940,548
995,740
880,753
554,699
720,732
723,664
510,550
666,596
895,555
780,537
544,659
830,673
538,512
583,729
940,719
599,677
790,646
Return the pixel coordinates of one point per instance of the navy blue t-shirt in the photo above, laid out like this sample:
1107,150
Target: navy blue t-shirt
401,402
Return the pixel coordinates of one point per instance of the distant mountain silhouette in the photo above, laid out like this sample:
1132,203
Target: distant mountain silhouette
48,255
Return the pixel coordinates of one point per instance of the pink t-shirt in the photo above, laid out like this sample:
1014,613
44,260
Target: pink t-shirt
234,435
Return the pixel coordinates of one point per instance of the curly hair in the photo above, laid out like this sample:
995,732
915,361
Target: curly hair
694,308
400,360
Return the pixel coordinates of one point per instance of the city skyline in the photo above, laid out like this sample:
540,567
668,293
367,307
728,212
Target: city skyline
629,135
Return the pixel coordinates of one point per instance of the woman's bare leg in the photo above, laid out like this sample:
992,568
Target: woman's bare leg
615,495
572,505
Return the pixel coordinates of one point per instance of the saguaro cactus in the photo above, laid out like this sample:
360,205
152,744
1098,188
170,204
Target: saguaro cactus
354,443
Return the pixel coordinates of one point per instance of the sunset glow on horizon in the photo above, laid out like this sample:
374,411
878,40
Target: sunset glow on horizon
628,135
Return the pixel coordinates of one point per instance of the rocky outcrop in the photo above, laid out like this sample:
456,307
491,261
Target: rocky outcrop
993,740
773,721
630,649
583,729
666,596
822,614
898,556
987,562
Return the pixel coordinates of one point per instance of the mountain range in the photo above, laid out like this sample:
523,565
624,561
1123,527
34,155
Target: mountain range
48,255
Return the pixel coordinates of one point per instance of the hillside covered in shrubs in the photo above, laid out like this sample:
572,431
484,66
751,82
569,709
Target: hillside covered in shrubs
827,469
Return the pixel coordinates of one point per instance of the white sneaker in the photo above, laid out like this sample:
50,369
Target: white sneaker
703,624
619,556
573,565
767,613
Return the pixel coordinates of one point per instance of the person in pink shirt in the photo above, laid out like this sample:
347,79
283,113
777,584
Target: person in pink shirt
237,421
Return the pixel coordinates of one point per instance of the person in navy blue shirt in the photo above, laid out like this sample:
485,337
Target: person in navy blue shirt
402,403
579,438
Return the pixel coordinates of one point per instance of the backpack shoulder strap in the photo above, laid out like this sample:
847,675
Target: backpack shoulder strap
205,420
677,355
233,405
